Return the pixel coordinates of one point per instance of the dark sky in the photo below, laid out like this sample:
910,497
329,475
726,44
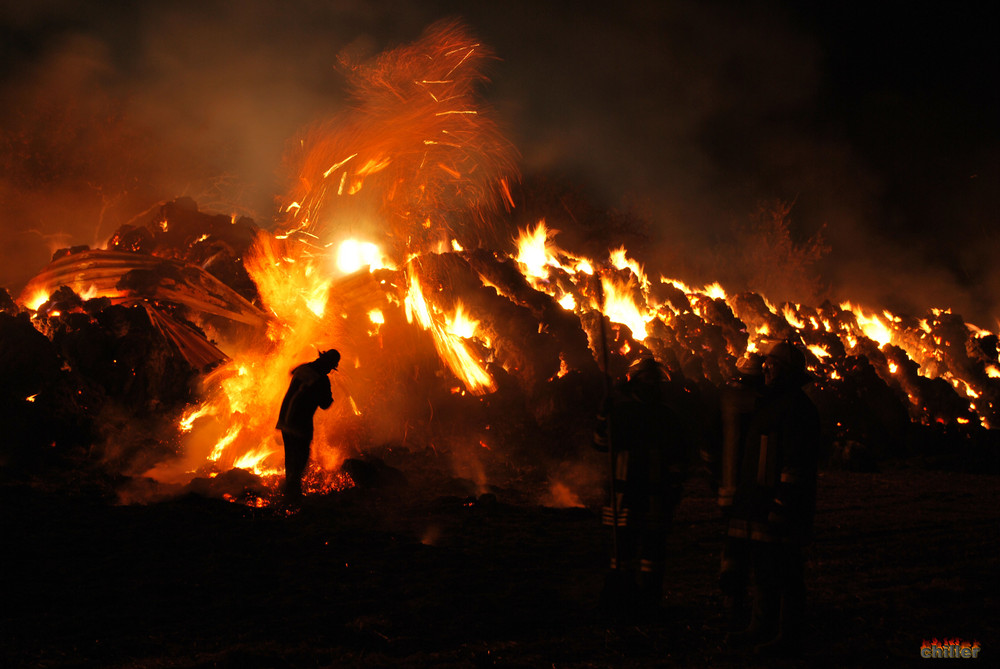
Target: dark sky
878,119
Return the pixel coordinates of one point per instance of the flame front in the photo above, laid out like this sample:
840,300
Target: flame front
448,332
419,167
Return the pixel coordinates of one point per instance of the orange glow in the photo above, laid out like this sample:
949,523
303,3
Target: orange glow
411,163
533,251
37,299
820,352
352,256
793,318
620,307
450,346
871,326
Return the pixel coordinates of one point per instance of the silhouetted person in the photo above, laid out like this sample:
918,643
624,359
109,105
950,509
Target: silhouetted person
308,390
739,397
775,501
647,439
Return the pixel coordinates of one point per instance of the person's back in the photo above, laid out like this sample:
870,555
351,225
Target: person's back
308,390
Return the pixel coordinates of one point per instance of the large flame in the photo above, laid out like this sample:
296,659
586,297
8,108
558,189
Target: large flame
448,331
419,166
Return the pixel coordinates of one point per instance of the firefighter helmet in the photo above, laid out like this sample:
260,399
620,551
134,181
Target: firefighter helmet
785,356
750,365
329,358
646,370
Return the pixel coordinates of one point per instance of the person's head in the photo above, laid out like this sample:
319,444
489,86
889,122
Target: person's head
644,376
328,360
784,365
750,370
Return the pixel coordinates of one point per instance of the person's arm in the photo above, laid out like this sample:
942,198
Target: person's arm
325,398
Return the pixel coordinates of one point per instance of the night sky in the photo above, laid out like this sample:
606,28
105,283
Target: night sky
878,120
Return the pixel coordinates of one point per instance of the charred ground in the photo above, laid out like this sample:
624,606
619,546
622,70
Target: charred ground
415,569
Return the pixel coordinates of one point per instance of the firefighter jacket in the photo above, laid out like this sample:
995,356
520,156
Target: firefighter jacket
738,399
308,390
647,439
775,496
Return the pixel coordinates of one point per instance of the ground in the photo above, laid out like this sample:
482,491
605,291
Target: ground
425,574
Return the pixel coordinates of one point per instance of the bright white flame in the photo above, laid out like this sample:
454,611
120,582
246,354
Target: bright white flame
819,351
871,326
532,251
460,324
621,308
37,299
353,255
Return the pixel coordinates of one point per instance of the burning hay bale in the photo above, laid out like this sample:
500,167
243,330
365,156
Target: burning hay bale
489,354
178,230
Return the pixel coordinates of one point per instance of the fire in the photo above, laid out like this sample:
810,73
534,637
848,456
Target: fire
413,162
871,326
715,291
353,255
789,313
533,251
253,461
567,302
460,325
620,260
819,351
450,346
37,299
620,307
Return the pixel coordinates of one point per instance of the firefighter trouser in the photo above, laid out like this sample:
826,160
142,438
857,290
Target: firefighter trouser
780,592
642,550
296,459
734,570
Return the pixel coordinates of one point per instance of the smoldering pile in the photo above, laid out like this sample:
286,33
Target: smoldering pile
81,375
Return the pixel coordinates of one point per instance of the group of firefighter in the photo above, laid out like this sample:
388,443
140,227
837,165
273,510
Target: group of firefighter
766,480
765,474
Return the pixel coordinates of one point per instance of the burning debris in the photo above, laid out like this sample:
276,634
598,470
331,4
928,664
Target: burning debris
456,335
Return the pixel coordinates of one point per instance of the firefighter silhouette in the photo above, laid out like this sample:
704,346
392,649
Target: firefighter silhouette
738,399
308,390
774,501
642,432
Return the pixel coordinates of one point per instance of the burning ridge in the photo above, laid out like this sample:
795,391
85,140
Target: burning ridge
171,349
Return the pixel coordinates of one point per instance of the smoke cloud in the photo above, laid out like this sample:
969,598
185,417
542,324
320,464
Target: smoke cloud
876,124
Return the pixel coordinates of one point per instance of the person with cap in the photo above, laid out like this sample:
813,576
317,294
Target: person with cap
645,439
308,390
775,501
